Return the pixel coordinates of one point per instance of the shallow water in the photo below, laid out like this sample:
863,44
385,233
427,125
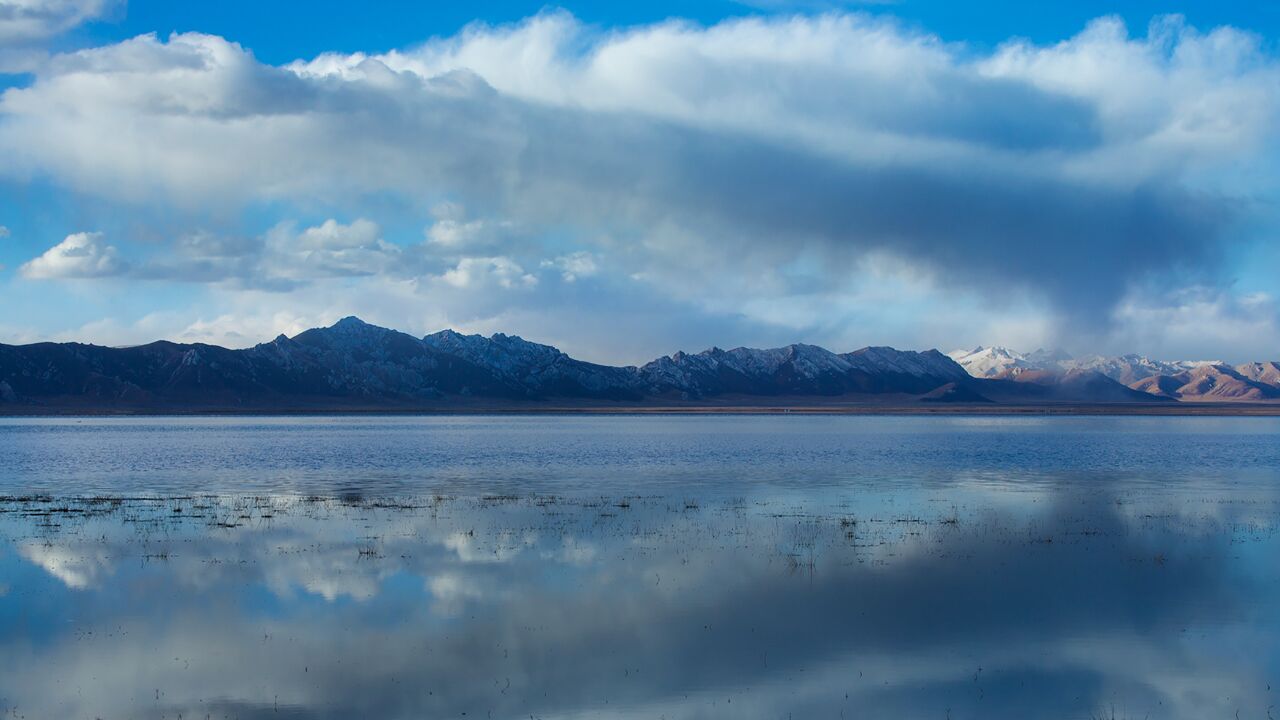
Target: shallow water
639,567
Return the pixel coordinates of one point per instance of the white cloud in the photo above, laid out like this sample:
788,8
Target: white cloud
334,236
4,231
204,244
1175,97
23,20
504,548
328,574
78,569
242,317
575,265
242,329
819,81
451,233
1200,323
752,166
452,230
281,258
330,249
478,272
754,139
452,592
80,255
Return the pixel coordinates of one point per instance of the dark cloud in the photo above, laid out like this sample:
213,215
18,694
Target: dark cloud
752,160
1082,244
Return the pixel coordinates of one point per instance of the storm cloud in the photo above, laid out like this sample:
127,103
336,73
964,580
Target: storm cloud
780,154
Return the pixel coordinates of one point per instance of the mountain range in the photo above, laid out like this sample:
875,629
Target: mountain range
353,365
1184,380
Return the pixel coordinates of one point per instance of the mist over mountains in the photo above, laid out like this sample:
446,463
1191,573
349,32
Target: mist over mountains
353,365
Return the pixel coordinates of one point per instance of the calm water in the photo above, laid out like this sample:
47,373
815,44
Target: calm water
640,567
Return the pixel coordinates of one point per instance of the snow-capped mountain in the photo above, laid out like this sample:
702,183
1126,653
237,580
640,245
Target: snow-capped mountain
997,362
541,369
1188,380
927,364
799,369
992,362
795,368
354,365
1131,368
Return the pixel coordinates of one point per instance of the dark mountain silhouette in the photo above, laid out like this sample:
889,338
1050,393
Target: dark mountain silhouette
355,365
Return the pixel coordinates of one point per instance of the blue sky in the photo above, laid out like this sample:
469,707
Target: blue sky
279,33
628,180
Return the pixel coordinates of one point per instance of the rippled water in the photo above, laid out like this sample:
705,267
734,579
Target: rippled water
639,567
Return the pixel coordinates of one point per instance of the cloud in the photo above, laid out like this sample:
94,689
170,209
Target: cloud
77,568
285,257
452,592
505,574
755,160
25,20
1201,323
475,272
332,236
453,230
4,232
280,259
449,233
575,265
330,249
79,256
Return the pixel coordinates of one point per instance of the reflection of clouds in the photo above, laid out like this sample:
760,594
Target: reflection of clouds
692,610
77,567
575,552
504,547
452,591
329,573
1177,674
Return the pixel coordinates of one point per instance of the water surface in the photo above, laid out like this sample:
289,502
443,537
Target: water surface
639,567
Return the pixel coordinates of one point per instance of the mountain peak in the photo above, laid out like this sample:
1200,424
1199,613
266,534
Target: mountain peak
990,362
508,353
355,335
883,358
352,327
352,361
1051,355
350,321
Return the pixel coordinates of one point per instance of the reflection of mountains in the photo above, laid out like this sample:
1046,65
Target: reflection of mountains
634,608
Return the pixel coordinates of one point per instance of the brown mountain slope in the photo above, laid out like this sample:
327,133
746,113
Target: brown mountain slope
1265,373
1159,385
1081,386
1209,383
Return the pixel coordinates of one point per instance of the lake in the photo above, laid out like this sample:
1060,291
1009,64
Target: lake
640,567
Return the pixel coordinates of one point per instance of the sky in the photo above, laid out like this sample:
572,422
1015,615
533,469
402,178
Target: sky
628,180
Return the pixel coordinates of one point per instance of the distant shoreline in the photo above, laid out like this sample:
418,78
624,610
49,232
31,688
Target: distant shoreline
1126,409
